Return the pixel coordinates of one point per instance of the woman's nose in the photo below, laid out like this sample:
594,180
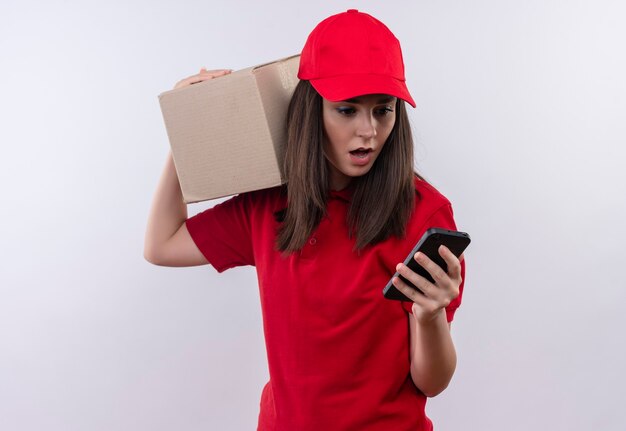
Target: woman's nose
367,127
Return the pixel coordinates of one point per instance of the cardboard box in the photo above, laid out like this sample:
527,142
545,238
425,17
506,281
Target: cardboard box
228,134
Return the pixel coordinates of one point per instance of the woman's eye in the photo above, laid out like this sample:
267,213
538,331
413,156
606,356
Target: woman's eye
384,111
344,110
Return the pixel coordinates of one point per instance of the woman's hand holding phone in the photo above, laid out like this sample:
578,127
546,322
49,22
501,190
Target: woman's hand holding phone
435,296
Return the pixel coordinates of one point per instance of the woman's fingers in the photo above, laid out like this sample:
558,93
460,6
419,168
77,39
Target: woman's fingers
435,295
453,263
427,306
446,284
216,72
428,289
435,271
409,291
203,75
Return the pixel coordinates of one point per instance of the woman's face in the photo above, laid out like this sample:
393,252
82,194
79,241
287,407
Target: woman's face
355,132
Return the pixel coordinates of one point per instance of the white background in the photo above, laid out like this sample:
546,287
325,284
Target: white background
520,122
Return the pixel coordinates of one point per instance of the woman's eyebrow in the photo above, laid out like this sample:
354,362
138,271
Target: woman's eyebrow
384,99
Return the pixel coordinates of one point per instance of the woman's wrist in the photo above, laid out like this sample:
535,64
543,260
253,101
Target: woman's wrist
428,318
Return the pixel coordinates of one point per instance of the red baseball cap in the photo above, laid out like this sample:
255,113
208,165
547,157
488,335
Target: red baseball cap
351,54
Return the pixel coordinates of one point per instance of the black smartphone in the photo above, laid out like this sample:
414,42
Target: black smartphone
429,245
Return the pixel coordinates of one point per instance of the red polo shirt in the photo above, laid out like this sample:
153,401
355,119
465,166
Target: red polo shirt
338,351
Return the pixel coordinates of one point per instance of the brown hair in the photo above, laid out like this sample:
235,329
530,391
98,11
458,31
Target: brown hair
382,199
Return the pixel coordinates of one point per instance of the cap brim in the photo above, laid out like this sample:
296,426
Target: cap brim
346,87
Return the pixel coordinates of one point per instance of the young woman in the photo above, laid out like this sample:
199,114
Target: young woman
341,357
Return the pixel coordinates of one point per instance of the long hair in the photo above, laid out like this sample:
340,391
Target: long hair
382,199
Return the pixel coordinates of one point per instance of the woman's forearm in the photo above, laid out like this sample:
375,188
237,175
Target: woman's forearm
168,211
433,356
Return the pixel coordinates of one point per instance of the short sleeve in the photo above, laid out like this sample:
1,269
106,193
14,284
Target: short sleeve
444,218
223,234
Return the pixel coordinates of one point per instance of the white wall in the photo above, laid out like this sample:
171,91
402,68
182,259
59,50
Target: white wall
520,122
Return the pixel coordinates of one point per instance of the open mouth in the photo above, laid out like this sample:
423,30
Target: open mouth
361,152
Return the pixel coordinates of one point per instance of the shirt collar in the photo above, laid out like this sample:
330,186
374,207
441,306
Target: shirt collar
344,194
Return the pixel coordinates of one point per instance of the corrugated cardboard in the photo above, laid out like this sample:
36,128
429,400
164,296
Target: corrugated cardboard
228,134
